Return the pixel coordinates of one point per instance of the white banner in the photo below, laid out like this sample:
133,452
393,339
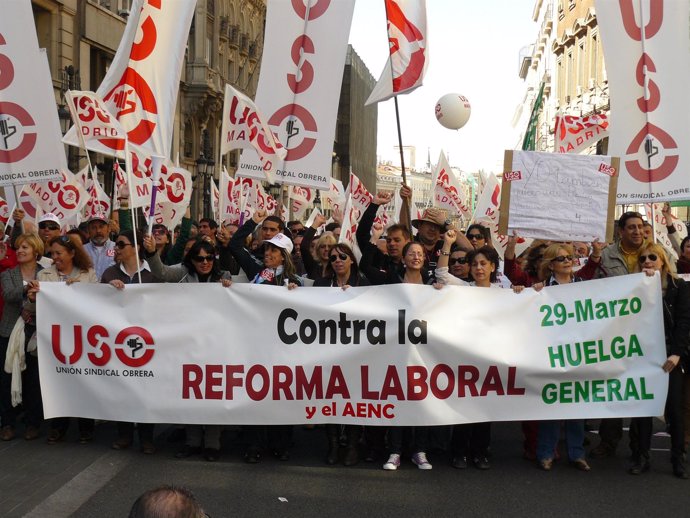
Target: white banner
649,124
299,87
30,147
140,88
559,196
382,355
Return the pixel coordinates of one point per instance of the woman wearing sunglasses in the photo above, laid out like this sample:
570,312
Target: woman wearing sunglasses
199,265
555,268
126,271
277,269
470,440
71,264
676,299
342,272
413,272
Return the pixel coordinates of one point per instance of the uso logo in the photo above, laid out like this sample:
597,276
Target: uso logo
133,346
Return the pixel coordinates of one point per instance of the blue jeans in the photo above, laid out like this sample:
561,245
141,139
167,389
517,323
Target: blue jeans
550,432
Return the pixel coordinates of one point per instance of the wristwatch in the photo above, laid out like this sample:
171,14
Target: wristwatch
447,223
443,252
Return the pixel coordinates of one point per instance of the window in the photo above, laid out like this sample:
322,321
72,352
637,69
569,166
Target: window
581,65
569,74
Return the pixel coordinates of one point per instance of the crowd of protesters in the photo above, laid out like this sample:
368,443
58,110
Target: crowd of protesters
270,251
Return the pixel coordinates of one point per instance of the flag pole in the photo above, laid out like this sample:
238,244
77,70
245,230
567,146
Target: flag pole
128,166
402,160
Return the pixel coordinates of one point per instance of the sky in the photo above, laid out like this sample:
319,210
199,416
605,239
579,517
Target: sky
474,51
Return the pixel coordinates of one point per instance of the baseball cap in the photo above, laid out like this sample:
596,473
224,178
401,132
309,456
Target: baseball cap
281,241
49,216
98,216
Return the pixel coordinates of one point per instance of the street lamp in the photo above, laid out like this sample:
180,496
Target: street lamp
201,164
208,178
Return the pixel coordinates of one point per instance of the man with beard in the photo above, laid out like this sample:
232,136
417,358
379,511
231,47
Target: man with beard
100,248
429,229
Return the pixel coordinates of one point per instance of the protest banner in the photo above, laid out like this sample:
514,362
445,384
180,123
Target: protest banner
30,147
558,196
381,355
644,42
299,87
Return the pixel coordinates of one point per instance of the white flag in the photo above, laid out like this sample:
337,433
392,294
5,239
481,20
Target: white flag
449,194
487,213
404,71
30,148
140,88
575,134
244,127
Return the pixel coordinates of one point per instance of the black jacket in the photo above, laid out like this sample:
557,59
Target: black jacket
677,317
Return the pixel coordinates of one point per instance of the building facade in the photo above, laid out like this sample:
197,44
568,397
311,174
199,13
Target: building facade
568,62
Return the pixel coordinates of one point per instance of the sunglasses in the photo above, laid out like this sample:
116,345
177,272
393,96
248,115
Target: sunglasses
475,236
562,258
46,225
203,258
651,257
342,257
122,244
158,232
459,260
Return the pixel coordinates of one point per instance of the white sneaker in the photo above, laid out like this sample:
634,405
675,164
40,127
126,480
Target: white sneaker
421,461
393,462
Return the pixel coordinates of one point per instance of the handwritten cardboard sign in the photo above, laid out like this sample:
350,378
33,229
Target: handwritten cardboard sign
560,197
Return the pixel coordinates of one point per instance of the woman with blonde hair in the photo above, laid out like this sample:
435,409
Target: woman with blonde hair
71,263
556,268
316,264
676,299
29,249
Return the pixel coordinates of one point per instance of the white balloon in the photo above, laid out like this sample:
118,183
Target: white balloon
453,111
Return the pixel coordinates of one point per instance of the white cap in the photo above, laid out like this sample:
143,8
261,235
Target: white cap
49,216
281,241
98,216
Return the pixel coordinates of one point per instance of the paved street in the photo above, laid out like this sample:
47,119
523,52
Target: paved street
70,479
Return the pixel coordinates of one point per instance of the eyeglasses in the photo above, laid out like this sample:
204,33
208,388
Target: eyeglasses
342,257
475,236
203,258
651,257
48,225
562,258
459,260
122,244
158,232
